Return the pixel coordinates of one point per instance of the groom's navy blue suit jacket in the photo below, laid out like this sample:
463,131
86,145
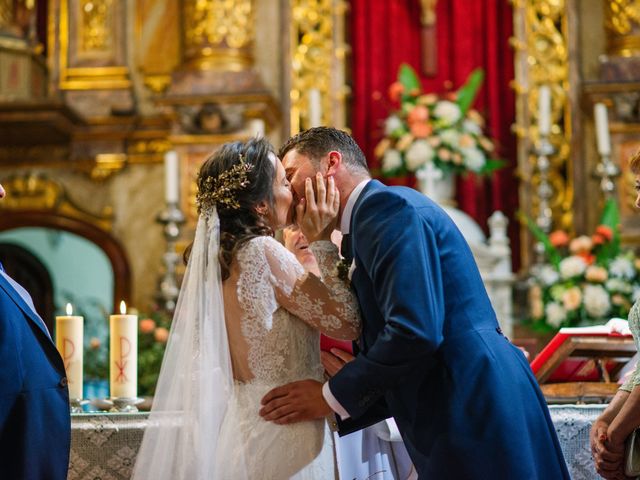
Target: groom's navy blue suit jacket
431,352
35,427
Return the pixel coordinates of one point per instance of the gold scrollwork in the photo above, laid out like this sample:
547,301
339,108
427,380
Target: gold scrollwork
35,192
622,24
318,55
541,46
95,29
218,32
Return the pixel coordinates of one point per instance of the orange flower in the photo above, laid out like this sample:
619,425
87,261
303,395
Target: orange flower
395,91
605,232
147,325
94,343
559,238
598,239
421,130
587,257
161,335
418,114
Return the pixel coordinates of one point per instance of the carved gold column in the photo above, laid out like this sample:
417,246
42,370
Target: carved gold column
622,25
541,58
218,34
318,55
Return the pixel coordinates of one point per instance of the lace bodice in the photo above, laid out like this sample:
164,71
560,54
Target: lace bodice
634,325
274,310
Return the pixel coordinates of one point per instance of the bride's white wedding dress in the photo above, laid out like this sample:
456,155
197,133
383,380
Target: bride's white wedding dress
274,312
230,343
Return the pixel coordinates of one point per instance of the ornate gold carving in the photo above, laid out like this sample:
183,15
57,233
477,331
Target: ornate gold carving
541,54
95,27
622,25
107,164
157,83
218,33
148,151
87,78
34,192
318,56
6,14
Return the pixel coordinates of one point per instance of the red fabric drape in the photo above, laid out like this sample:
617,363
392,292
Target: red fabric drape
470,34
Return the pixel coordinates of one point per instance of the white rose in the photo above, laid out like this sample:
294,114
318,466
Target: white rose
473,159
450,137
392,124
622,268
470,126
618,285
392,160
448,112
572,267
596,301
555,314
418,154
548,275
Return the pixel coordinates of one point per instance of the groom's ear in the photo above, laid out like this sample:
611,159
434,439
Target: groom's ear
334,161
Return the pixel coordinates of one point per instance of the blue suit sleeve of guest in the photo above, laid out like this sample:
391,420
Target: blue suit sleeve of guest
398,250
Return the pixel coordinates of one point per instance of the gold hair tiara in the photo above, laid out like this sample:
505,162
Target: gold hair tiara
223,189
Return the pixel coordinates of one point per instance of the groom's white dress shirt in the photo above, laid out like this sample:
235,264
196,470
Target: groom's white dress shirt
345,227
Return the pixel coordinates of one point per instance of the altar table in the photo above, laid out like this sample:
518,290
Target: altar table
104,445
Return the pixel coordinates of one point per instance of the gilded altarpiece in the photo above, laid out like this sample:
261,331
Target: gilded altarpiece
318,53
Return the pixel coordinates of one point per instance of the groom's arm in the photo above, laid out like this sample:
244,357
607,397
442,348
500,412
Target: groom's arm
400,254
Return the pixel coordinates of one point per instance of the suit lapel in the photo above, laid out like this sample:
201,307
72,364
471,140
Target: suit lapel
26,309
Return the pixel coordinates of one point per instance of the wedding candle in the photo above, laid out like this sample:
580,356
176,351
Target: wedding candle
69,342
544,110
602,129
171,177
315,108
256,127
123,354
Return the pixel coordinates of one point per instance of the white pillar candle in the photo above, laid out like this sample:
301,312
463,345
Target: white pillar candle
315,108
69,342
171,177
602,129
256,127
123,354
544,110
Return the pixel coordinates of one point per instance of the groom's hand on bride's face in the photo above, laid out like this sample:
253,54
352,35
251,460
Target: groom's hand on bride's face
295,402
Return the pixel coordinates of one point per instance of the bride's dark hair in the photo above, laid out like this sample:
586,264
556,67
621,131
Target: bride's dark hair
241,224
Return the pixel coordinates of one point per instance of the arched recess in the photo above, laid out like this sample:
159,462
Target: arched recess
10,219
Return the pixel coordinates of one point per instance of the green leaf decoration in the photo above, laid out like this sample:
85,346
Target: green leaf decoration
492,165
408,77
467,93
553,255
610,218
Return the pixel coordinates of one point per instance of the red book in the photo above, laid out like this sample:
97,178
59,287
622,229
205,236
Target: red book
327,343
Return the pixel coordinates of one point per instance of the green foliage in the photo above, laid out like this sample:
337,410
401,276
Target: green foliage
552,253
409,80
468,92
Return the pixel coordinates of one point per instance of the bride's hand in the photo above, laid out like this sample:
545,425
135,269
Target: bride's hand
317,213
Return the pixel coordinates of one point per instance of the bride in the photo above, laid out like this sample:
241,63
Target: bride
248,320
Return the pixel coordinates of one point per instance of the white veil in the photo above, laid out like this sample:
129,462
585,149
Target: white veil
196,379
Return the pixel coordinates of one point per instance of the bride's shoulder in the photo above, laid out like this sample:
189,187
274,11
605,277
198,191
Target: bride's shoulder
266,246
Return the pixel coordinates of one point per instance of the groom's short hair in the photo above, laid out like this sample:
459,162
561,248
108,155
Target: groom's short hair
318,141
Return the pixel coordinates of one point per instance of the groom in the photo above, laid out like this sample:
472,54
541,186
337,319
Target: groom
35,427
431,352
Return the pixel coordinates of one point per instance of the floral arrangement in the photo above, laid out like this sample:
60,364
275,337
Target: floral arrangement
431,128
587,280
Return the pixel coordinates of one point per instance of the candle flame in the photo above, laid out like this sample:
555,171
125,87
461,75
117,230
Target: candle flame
69,309
123,307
